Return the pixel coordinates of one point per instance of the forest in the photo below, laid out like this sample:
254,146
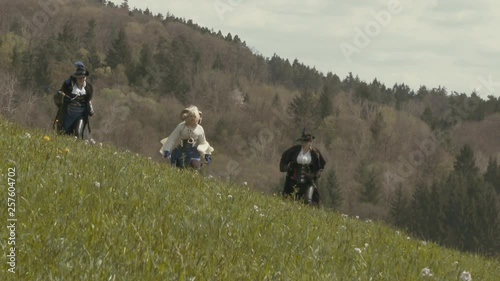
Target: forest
425,160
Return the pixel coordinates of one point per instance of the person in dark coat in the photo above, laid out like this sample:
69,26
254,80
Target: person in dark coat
74,100
301,161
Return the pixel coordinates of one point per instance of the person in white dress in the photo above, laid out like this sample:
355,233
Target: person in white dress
187,145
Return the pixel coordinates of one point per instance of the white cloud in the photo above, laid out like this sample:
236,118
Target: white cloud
428,42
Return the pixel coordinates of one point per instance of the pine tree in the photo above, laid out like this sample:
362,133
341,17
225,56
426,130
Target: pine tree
418,211
333,192
472,212
88,38
398,211
377,125
119,53
492,174
370,188
465,163
302,109
325,103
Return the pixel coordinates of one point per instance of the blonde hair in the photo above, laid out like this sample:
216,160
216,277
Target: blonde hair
191,109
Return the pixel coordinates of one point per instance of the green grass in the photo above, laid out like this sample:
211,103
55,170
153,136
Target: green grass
92,212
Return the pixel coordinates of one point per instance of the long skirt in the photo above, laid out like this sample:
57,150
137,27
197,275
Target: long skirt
183,155
71,115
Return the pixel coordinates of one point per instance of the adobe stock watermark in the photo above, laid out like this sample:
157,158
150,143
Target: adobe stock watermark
118,113
408,165
152,76
48,10
373,28
223,6
487,83
256,146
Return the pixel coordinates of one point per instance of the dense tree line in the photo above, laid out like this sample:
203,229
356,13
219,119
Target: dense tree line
146,67
461,211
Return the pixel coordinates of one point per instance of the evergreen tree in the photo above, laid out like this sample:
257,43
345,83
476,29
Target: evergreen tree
370,186
456,210
465,163
492,174
419,223
218,63
94,61
436,214
88,38
377,126
472,212
427,117
325,103
302,108
398,211
124,4
120,52
333,192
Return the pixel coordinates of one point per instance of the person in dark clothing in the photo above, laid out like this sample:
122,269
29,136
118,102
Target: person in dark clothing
74,100
303,165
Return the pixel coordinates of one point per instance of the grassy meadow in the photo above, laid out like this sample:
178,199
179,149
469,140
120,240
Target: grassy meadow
92,212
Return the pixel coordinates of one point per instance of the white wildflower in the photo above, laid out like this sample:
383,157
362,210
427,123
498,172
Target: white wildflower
397,232
27,135
455,263
345,216
426,272
357,250
230,196
97,184
357,217
92,141
366,245
256,208
465,276
244,183
408,238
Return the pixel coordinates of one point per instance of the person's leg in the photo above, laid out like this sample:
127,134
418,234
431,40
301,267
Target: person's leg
71,116
193,158
288,189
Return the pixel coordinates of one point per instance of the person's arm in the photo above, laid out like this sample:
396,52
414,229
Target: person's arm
172,139
90,94
203,146
59,96
285,160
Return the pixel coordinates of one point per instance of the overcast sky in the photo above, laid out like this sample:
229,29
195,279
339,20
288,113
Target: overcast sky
452,43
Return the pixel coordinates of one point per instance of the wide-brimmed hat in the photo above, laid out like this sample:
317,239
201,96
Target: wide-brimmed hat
80,72
306,137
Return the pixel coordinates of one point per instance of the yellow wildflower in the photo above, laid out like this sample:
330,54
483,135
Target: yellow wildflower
47,138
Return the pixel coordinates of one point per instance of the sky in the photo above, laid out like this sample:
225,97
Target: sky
448,43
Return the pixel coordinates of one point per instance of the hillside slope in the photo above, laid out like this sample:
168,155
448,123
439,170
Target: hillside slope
91,212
